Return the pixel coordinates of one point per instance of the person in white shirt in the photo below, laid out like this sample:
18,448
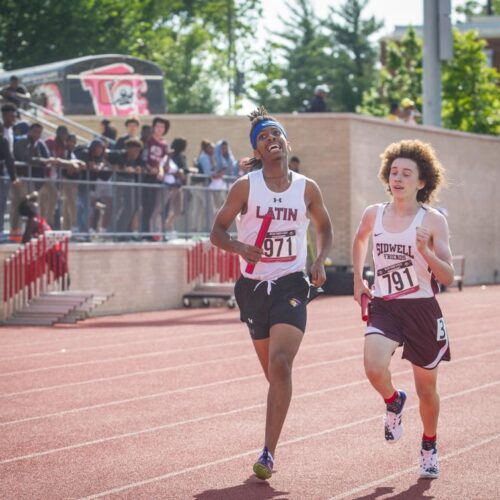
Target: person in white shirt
273,299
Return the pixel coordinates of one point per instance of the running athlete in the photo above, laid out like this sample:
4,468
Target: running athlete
410,251
273,299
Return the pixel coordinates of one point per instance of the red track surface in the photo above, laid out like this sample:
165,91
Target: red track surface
171,405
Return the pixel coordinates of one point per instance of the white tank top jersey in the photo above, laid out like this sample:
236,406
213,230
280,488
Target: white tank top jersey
285,244
401,272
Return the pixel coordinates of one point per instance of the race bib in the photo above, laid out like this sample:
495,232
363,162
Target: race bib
280,247
442,334
398,280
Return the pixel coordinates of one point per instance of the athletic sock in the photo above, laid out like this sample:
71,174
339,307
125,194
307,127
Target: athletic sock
428,442
394,403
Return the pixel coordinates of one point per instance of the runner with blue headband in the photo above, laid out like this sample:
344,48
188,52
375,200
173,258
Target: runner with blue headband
273,291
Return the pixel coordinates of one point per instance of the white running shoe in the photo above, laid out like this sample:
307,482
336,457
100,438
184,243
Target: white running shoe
429,467
393,422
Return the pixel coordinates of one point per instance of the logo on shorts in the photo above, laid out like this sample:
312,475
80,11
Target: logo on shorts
294,302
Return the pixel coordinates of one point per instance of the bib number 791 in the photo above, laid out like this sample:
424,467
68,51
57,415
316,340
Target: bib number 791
398,280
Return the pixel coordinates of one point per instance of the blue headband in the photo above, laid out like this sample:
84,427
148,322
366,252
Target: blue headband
267,122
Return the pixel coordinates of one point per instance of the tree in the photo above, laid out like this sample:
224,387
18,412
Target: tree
354,55
471,92
470,89
400,77
192,41
295,63
472,8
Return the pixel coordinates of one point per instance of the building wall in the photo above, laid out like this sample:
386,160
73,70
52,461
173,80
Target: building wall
341,152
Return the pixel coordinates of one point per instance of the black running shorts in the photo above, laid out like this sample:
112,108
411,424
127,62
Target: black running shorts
266,303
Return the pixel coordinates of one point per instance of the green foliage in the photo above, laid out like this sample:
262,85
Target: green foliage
470,89
400,77
478,8
471,92
195,42
336,52
286,86
354,57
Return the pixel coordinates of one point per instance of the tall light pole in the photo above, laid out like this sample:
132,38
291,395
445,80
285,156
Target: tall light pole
438,46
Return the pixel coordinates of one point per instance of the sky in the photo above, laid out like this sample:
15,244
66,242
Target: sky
392,12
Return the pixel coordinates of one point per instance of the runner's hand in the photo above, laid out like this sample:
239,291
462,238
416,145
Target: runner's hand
318,274
361,288
423,239
251,253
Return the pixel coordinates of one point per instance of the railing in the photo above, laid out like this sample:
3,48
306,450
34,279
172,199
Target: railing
39,266
121,206
210,264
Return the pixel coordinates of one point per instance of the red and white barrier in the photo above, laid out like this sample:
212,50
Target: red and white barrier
211,265
36,267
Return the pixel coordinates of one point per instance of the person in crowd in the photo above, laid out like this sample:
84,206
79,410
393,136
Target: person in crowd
7,165
409,113
394,112
20,130
9,118
178,154
411,253
71,170
15,92
128,165
132,126
34,158
155,150
108,131
224,159
294,164
317,104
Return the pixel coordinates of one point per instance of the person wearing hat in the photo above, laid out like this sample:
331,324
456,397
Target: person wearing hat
317,103
155,150
409,113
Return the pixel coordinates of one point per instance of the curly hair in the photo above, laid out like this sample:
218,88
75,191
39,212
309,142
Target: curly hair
430,169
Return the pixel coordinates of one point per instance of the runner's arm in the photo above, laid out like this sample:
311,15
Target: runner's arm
235,203
324,231
439,257
360,249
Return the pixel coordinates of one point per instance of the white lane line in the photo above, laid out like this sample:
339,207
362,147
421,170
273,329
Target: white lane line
442,458
189,365
236,329
191,388
166,369
134,356
171,391
284,443
159,331
179,423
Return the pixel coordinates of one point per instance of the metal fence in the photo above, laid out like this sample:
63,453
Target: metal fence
114,206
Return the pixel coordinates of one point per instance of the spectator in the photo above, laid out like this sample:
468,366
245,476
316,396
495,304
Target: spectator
132,126
20,130
6,163
9,117
36,225
294,164
94,157
178,155
128,165
154,152
394,112
409,114
48,193
15,92
317,103
71,171
173,180
34,155
108,131
224,159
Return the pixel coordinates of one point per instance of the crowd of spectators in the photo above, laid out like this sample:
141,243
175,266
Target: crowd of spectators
120,185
